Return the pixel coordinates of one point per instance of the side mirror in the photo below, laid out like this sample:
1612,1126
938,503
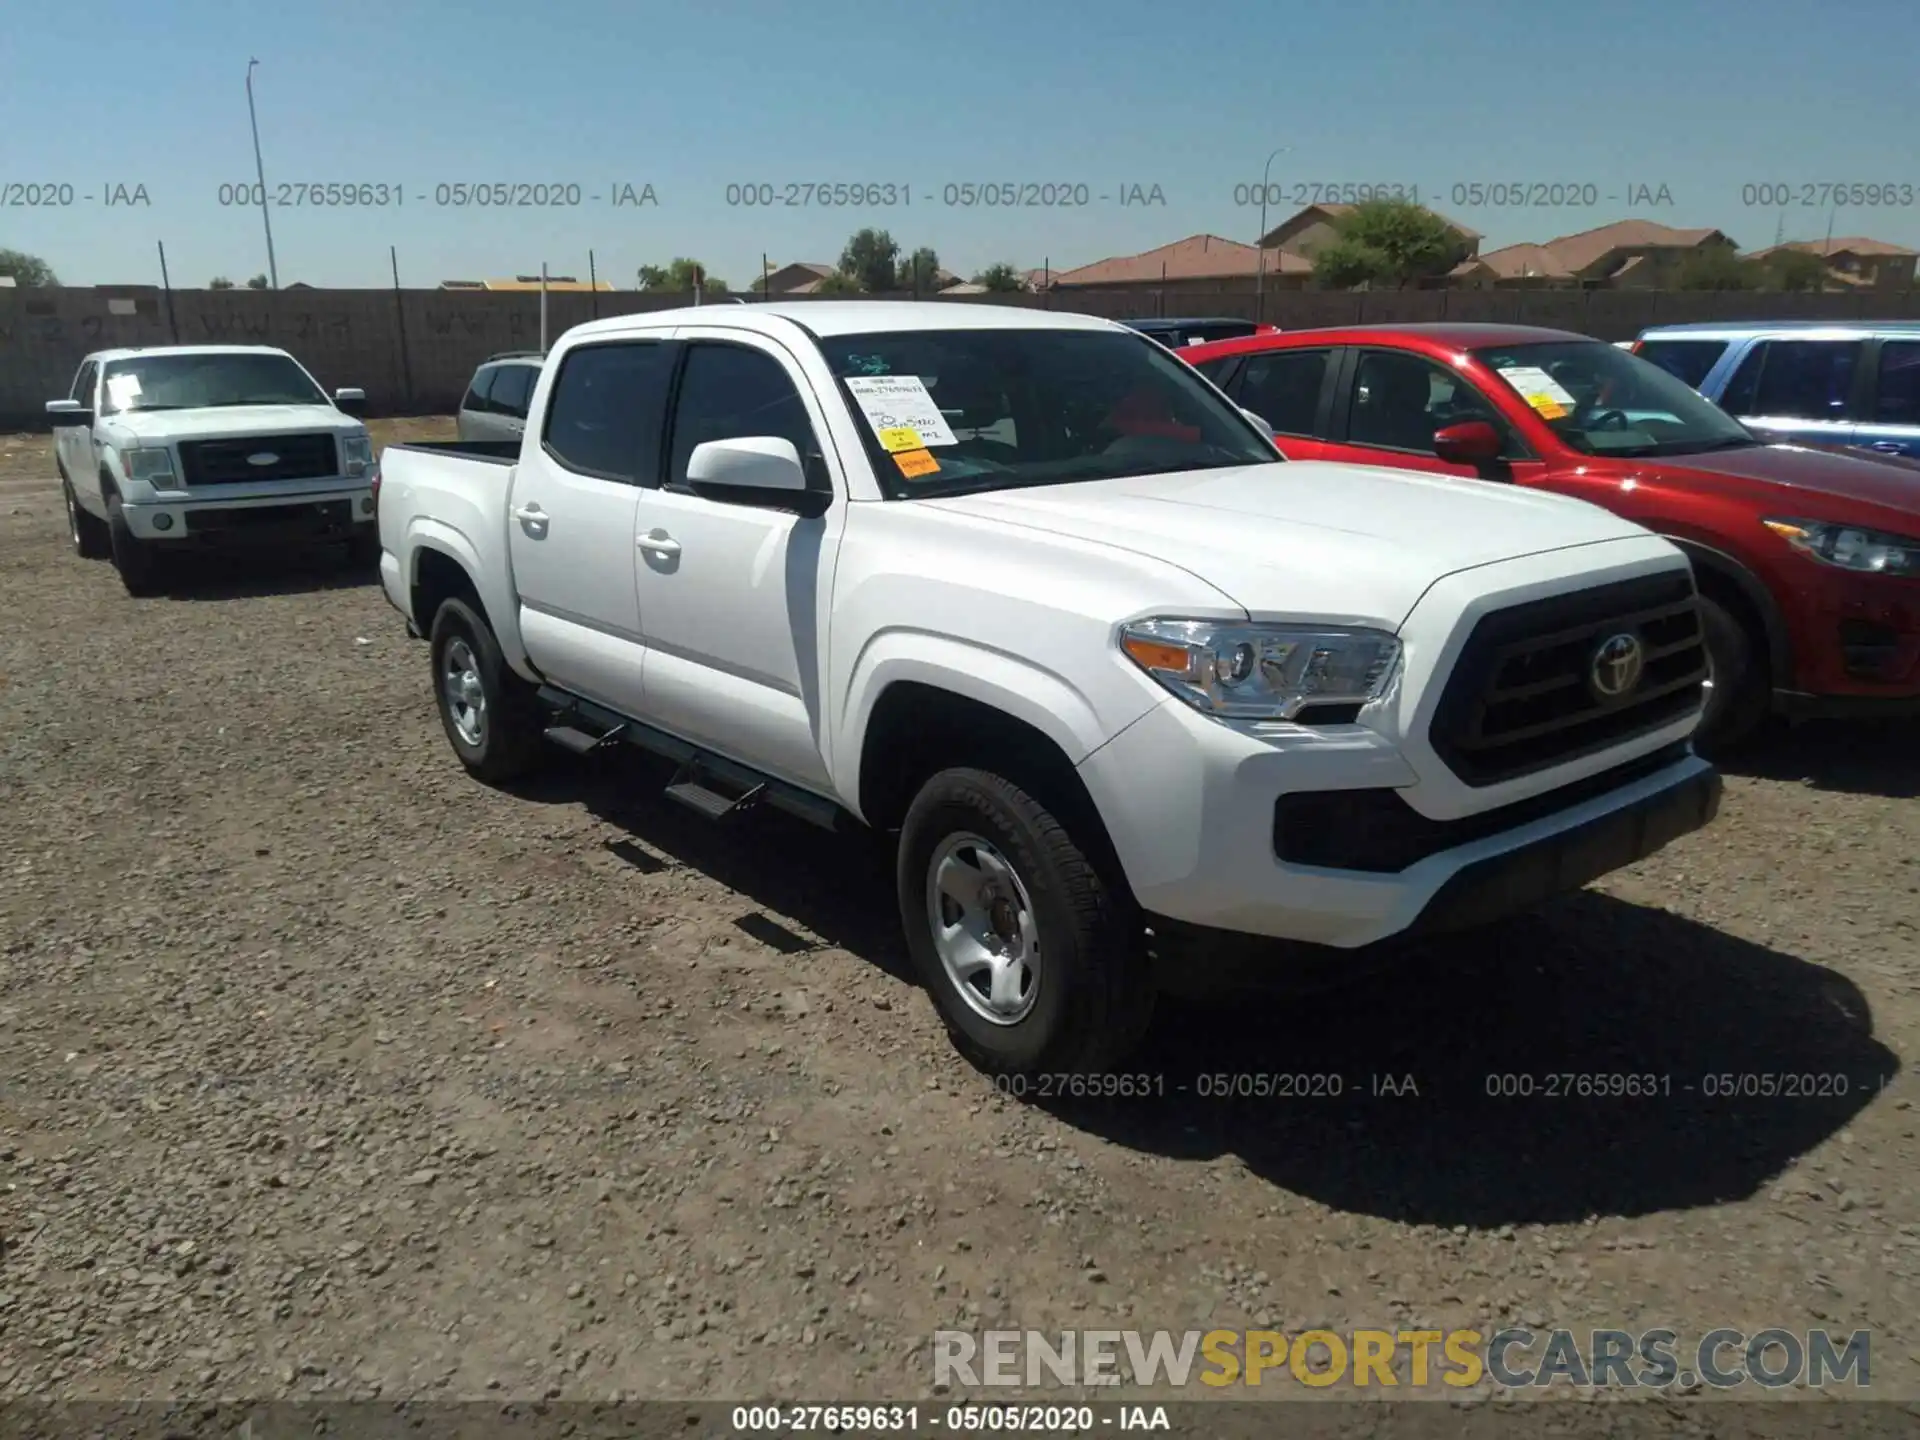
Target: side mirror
61,413
1266,427
350,401
1471,442
754,470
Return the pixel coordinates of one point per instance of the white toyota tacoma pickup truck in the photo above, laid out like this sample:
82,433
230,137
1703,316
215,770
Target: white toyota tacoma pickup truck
1026,589
184,447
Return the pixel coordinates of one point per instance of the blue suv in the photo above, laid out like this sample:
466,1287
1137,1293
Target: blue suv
1816,382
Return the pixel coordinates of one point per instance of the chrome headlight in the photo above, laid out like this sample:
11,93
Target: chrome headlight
356,453
1848,547
152,464
1262,672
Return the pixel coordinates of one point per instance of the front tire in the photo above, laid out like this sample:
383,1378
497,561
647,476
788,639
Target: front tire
88,535
489,713
1035,961
137,562
1739,694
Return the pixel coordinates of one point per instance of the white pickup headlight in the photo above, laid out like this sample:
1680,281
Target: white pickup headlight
151,464
356,453
1262,672
1848,547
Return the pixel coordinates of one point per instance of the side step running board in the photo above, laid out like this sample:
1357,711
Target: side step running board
709,784
689,786
580,742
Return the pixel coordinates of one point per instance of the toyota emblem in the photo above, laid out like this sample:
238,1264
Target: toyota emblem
1616,666
265,457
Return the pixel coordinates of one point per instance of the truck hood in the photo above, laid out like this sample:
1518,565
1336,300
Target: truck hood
1308,537
1820,473
219,422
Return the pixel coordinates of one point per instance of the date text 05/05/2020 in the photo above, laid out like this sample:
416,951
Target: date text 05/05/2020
445,194
1501,194
960,194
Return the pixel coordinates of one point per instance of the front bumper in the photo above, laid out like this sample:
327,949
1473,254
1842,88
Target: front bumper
1190,805
287,517
1856,646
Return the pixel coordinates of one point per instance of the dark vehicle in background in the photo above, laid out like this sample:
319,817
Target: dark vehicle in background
495,405
1812,381
1807,559
1177,334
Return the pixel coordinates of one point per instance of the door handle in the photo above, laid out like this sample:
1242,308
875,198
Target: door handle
658,542
1889,447
530,515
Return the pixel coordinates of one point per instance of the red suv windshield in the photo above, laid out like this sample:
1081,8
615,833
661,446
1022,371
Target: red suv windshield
1602,400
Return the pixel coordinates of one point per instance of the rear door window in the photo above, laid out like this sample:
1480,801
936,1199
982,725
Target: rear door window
607,408
1807,379
1687,360
476,397
1897,401
1283,388
511,389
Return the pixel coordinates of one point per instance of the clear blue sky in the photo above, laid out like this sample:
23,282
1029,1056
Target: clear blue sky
1701,96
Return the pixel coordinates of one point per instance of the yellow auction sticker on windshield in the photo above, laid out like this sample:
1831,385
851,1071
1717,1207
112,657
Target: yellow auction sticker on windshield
1548,407
900,437
915,463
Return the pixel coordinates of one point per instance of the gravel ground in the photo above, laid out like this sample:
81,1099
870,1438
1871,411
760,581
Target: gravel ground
325,1070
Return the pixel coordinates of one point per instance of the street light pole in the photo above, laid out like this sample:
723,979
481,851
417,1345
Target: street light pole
260,171
1260,244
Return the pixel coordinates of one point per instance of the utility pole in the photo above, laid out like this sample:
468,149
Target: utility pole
1260,242
260,171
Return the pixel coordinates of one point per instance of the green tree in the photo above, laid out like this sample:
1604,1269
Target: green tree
1388,242
1001,278
219,282
921,272
258,282
1795,270
1718,267
678,275
26,269
838,283
872,258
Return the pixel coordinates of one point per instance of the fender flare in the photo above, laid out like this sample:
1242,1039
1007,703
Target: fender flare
1753,589
425,533
1009,683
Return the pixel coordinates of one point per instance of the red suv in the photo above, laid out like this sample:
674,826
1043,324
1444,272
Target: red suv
1807,561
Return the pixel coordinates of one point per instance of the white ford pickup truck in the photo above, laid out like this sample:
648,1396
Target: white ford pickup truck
183,447
1026,589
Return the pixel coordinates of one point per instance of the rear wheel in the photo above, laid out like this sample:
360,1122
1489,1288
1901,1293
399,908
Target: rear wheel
1739,691
490,714
1035,961
135,559
86,532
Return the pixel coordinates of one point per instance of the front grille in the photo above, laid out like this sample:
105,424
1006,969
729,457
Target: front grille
320,518
231,462
1523,696
1379,832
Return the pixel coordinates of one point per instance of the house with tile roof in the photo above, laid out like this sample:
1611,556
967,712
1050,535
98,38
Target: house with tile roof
1199,262
1627,254
1307,230
1854,261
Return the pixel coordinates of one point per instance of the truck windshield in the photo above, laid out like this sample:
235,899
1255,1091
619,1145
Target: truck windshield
191,382
948,412
1603,400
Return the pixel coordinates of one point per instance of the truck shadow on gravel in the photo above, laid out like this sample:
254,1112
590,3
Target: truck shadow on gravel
243,576
1459,1068
1879,757
1389,1070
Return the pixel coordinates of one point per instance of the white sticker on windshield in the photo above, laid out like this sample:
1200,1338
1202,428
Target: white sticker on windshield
1540,390
900,402
123,390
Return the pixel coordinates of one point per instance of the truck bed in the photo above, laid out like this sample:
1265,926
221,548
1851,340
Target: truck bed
493,452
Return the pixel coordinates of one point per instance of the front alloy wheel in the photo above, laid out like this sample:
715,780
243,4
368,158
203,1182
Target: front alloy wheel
984,928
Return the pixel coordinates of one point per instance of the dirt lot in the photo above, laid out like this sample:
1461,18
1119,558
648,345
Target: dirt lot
325,1070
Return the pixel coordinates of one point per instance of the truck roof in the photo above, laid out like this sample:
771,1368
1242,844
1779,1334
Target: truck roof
125,352
1741,330
854,317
